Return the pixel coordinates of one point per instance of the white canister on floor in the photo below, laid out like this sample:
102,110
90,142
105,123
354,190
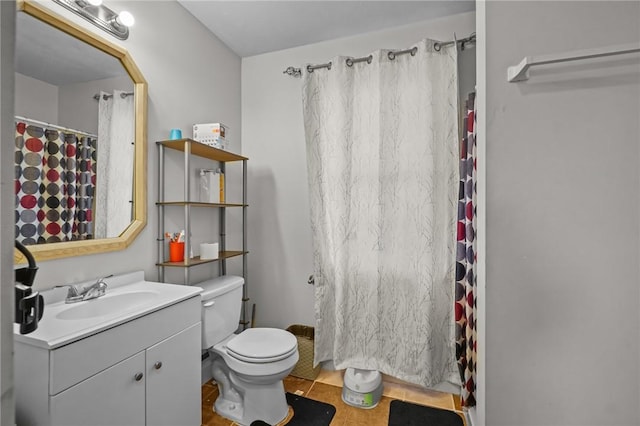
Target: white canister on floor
362,388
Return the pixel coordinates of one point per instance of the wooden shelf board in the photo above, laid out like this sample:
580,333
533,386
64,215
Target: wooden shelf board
197,261
202,150
199,204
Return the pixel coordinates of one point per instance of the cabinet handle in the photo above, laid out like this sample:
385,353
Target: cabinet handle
158,365
138,376
209,304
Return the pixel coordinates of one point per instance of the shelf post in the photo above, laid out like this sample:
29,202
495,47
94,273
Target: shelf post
160,237
245,288
187,210
223,221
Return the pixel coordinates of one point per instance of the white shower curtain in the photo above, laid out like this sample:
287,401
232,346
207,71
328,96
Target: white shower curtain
114,182
382,141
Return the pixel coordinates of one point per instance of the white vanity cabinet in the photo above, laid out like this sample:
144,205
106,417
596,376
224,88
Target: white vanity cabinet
112,394
173,398
145,371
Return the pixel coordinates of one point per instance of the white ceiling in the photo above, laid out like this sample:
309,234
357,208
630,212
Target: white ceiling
254,27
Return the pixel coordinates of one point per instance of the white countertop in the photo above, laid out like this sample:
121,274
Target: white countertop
133,297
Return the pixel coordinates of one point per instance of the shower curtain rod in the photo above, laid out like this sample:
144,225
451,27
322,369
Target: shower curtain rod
55,126
392,54
106,96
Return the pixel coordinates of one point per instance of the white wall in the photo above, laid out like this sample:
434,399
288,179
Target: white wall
562,235
71,105
477,414
273,139
36,99
7,133
78,109
193,78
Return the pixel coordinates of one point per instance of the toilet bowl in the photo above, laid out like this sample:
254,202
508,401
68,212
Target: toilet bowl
251,384
248,367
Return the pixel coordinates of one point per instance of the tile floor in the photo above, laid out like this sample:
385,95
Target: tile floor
328,388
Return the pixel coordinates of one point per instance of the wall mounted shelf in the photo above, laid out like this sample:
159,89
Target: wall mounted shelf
199,204
194,261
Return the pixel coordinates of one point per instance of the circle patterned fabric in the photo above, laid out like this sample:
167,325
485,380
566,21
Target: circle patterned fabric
54,185
465,305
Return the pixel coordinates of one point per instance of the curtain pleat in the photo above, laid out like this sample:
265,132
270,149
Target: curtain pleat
83,226
465,305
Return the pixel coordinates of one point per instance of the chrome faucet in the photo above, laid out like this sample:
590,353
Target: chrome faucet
79,293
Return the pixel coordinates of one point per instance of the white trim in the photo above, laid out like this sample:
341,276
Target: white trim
477,415
7,236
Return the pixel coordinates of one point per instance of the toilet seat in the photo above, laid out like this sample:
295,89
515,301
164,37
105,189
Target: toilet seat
253,360
262,345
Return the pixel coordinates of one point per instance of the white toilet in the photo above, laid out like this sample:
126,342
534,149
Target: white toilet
248,367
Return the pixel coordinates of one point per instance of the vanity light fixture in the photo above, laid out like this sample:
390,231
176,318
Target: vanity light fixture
83,3
123,21
116,24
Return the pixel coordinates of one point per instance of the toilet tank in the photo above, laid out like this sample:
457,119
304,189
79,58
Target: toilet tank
221,304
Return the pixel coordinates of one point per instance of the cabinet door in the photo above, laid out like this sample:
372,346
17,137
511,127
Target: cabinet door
114,396
173,380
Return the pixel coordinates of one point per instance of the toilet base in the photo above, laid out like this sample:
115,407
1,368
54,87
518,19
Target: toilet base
266,403
245,402
229,409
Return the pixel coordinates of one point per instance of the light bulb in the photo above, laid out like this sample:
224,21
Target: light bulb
126,18
95,2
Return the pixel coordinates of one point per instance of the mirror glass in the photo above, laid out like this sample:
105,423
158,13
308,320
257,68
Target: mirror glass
74,138
80,120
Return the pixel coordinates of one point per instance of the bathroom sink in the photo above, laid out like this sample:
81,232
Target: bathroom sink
128,297
107,305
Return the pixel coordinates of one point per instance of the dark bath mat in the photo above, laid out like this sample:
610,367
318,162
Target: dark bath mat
306,412
406,414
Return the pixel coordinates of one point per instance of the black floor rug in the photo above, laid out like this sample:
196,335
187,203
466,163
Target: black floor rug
406,414
306,412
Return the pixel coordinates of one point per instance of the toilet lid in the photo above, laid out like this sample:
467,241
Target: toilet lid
260,345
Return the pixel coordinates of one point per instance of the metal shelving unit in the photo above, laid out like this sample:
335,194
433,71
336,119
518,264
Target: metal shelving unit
192,148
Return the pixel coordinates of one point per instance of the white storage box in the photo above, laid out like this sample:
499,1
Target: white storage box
212,134
208,251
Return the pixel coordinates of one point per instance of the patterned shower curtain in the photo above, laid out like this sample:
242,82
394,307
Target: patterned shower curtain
382,142
465,305
54,185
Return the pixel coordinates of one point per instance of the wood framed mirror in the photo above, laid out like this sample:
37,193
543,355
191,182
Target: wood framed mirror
92,242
